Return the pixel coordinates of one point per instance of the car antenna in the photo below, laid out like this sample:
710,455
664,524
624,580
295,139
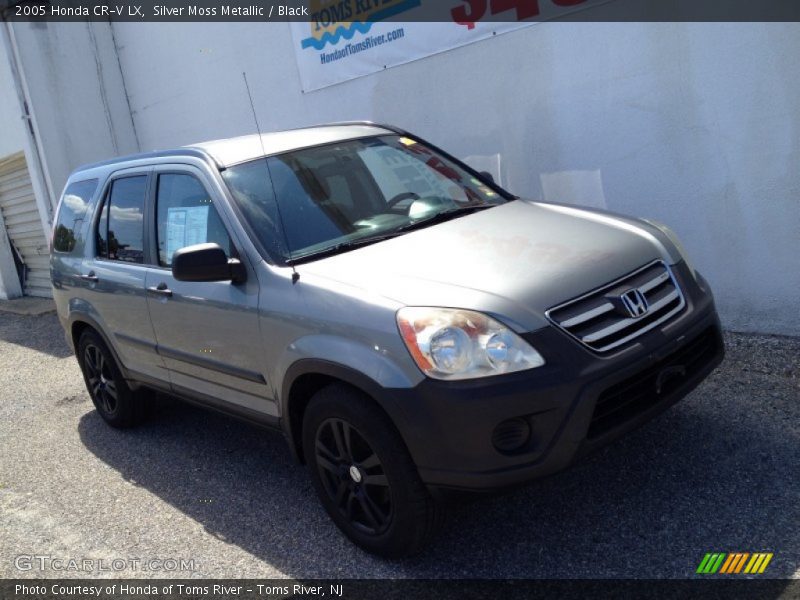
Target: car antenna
295,274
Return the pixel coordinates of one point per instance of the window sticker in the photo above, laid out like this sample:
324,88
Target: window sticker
186,226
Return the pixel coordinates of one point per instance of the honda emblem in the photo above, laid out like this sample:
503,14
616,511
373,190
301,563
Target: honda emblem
635,303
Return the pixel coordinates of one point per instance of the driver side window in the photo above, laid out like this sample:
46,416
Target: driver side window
185,216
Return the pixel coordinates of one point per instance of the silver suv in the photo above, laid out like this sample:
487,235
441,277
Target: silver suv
408,325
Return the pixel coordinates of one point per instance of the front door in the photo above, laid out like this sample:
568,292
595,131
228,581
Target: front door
207,333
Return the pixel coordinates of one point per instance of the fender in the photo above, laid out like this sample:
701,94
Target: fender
348,375
82,317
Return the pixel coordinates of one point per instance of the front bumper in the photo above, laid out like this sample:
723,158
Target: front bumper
577,402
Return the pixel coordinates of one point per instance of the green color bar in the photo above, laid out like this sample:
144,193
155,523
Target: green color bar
718,564
702,567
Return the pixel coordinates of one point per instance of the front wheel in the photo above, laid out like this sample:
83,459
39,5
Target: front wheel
364,476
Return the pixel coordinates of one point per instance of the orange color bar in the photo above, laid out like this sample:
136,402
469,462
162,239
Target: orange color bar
728,562
738,567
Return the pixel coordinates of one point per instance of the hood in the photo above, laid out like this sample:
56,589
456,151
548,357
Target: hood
514,261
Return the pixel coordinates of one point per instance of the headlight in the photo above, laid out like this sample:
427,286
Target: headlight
673,237
448,343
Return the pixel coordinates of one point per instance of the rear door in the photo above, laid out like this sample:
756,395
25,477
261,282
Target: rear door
207,333
115,275
71,232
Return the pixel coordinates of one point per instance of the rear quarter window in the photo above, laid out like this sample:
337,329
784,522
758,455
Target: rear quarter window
73,216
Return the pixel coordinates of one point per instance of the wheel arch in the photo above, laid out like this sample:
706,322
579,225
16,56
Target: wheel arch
306,377
78,323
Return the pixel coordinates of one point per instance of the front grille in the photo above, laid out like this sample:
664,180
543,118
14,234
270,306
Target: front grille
629,398
599,319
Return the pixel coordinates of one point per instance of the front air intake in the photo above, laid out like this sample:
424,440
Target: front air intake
627,399
511,435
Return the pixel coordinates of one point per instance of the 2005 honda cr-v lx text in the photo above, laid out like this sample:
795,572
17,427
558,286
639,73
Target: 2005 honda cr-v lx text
408,325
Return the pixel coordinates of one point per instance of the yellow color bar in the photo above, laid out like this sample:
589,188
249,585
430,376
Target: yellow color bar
767,558
755,563
751,564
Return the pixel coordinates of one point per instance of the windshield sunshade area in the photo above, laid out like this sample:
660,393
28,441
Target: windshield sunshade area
327,199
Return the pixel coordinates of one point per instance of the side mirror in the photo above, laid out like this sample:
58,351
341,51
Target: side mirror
487,175
206,262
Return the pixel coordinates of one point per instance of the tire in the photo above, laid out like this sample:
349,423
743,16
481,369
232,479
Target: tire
364,475
118,404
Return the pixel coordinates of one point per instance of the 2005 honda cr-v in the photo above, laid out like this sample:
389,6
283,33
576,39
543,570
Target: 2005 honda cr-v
408,325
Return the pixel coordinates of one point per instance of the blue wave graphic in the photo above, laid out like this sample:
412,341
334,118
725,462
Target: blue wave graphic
358,26
336,36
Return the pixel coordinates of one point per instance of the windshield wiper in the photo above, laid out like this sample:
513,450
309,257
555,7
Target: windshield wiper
446,215
340,248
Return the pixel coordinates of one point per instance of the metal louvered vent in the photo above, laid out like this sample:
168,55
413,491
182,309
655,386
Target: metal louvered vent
621,310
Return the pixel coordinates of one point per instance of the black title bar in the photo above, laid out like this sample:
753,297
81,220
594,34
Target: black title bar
405,589
414,10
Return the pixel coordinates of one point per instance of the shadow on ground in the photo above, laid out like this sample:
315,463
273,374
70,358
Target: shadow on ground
717,473
35,332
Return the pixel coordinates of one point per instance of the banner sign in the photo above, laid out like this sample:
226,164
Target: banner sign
345,39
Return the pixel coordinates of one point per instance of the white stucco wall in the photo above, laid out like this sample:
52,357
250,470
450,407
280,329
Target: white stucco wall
697,125
76,96
70,76
11,142
11,132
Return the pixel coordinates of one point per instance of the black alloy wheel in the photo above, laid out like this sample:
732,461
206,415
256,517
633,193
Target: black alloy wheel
364,475
353,476
116,401
100,380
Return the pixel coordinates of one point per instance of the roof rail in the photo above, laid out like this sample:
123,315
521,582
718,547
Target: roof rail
185,151
202,154
349,124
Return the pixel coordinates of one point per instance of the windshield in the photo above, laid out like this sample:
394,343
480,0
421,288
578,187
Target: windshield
333,198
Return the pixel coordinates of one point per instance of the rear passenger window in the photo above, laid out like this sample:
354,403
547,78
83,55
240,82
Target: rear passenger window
75,207
186,216
120,231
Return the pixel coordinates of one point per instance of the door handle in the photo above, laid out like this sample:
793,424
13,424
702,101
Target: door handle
90,276
161,289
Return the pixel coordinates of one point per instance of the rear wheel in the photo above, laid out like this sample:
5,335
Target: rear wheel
364,476
115,401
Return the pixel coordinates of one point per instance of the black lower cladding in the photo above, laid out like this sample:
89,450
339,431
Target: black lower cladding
629,398
500,431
